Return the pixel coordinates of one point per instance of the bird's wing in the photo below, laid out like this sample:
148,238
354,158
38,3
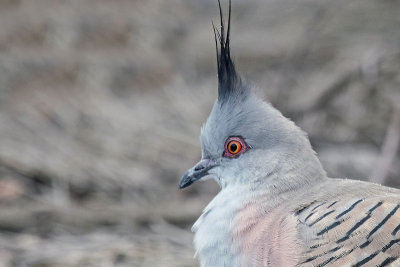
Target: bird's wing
351,232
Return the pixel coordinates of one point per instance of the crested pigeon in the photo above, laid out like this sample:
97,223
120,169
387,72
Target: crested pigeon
276,206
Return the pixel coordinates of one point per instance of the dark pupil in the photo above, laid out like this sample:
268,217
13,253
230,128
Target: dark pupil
234,147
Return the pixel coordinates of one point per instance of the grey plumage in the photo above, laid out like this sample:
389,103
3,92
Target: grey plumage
276,206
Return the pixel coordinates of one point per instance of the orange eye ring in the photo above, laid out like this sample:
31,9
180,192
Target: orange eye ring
234,147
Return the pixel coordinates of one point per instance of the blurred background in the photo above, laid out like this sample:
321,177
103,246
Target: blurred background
101,104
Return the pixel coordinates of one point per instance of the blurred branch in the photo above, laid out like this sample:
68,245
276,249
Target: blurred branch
335,89
389,148
343,82
296,59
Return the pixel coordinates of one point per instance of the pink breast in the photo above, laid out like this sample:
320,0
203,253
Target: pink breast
266,238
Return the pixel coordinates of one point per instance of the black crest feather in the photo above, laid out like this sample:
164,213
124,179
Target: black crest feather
228,80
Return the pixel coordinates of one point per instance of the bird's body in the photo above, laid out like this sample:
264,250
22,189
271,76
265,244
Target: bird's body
277,207
334,222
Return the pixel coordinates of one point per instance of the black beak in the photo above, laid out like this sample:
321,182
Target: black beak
197,172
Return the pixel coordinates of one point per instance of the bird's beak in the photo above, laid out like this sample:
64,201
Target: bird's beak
197,172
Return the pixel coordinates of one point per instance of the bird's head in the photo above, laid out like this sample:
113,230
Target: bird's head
246,140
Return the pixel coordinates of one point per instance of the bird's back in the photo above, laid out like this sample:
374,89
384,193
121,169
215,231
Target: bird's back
358,227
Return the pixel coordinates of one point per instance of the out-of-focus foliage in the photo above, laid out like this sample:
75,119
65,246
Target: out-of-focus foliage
101,104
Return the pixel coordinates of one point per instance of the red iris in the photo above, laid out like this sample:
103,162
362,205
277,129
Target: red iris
234,147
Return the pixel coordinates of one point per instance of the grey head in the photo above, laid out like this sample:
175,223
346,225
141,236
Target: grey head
246,141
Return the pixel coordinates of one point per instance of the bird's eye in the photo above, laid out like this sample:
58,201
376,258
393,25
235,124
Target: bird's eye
234,147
